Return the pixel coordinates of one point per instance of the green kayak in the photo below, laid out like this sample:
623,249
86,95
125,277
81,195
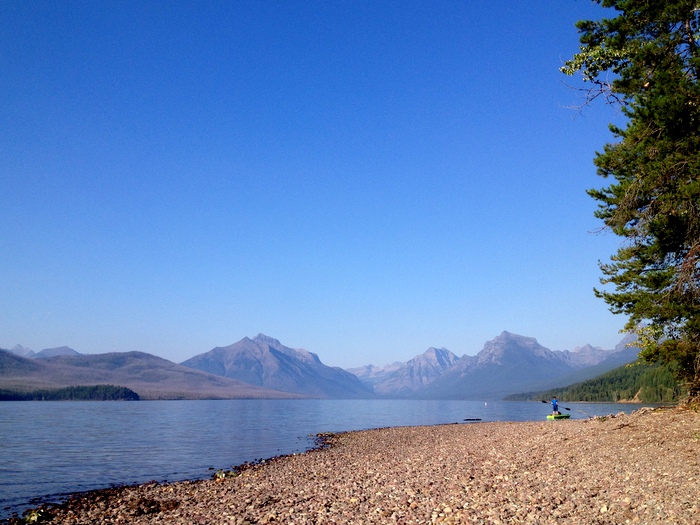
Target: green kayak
558,416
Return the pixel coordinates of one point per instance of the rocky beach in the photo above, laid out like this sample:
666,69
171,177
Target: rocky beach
639,468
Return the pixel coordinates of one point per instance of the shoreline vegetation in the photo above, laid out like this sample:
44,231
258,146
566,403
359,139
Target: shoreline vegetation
631,383
642,468
73,393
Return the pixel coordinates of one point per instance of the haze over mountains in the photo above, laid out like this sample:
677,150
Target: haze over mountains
264,367
508,363
406,379
47,352
264,361
150,376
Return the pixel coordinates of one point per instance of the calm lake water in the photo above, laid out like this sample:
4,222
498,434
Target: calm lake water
51,449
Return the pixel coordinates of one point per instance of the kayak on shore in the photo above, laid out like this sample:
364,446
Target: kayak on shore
558,416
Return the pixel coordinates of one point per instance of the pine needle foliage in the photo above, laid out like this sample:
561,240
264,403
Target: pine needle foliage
646,60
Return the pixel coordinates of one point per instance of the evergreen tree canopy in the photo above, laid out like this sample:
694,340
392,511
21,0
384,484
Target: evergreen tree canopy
646,59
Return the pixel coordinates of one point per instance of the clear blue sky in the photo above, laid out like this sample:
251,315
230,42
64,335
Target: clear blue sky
362,179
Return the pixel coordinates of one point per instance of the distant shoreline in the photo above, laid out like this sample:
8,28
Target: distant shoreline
72,393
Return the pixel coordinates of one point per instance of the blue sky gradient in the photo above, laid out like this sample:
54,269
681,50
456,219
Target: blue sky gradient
361,179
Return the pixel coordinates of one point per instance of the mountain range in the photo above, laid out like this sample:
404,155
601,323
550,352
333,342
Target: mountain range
407,379
508,363
264,367
46,352
150,376
265,362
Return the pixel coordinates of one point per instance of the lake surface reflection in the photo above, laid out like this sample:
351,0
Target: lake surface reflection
51,449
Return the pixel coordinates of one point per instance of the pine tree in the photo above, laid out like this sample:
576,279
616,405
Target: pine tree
650,51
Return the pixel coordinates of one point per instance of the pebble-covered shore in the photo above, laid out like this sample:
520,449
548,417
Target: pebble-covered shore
639,468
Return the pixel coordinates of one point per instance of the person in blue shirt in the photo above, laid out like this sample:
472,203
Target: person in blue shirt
555,407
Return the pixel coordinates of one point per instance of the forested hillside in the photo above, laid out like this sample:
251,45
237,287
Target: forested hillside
73,393
636,382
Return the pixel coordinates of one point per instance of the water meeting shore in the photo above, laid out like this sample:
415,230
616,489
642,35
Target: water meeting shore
639,468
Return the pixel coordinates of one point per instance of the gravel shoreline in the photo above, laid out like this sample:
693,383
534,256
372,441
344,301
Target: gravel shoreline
639,468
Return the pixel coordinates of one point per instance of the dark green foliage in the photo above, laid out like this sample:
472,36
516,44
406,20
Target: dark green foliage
659,385
641,382
650,49
74,393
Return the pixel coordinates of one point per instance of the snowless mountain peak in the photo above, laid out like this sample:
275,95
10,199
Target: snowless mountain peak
264,361
587,348
22,351
262,338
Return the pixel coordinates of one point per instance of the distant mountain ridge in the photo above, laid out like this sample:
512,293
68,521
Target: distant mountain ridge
22,351
505,364
56,352
46,352
372,374
585,355
264,367
151,377
416,374
266,362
